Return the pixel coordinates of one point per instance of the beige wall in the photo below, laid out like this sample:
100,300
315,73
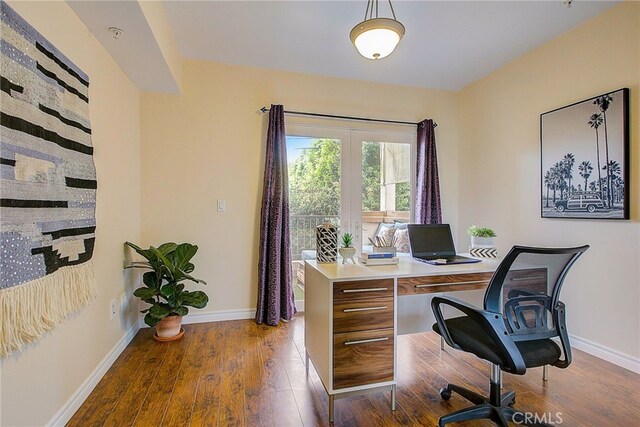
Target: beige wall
500,168
37,382
208,144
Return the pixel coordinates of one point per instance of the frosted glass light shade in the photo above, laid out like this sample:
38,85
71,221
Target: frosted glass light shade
377,38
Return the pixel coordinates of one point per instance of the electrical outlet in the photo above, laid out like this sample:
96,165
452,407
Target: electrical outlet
114,309
221,205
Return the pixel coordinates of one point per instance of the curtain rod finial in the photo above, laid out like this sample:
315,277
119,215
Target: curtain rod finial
264,110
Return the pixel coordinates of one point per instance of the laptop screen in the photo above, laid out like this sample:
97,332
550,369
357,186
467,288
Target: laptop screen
431,240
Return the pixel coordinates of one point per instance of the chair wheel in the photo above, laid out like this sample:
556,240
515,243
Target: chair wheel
445,393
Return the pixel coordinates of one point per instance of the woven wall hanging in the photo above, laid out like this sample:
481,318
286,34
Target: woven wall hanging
48,186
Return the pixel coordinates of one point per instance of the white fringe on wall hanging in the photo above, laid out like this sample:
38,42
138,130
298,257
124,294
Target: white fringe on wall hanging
29,311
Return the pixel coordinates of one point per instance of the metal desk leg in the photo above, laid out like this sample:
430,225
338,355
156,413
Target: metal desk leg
331,408
441,343
393,397
545,373
306,362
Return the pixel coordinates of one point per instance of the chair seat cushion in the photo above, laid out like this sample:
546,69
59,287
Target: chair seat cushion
471,338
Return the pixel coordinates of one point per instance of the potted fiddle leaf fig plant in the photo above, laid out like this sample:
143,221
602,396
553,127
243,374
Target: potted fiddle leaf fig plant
169,265
347,251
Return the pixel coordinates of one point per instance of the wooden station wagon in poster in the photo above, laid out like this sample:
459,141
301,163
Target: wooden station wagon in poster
585,158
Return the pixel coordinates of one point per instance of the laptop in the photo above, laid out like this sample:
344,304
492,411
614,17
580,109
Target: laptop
433,244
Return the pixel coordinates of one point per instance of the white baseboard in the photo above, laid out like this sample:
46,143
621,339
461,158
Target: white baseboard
616,357
214,316
220,316
73,404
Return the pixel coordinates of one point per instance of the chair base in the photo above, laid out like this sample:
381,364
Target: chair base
498,408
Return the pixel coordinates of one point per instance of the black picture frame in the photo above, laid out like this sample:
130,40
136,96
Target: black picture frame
574,181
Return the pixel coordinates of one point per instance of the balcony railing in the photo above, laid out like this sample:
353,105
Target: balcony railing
303,232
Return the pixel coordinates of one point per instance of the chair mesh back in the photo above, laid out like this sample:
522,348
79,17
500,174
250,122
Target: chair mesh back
526,288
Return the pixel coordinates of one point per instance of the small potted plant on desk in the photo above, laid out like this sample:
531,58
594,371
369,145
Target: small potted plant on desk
482,244
347,251
169,265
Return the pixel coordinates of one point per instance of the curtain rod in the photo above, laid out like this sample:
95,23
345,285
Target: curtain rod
332,116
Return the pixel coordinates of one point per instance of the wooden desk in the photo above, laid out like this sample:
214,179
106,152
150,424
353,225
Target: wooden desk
351,316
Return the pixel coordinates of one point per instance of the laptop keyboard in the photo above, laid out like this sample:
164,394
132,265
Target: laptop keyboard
433,258
456,259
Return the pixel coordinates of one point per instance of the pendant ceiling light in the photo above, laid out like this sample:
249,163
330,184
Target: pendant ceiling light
377,37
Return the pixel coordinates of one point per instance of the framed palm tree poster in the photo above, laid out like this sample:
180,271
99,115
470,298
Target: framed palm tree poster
585,158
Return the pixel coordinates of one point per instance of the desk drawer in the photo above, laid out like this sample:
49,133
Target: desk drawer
362,315
359,289
361,358
443,283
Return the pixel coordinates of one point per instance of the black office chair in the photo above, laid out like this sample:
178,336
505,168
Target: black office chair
522,313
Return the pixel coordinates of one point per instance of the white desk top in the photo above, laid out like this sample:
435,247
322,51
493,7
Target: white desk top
407,267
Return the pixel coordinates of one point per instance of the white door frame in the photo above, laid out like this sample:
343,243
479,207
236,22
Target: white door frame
357,138
351,140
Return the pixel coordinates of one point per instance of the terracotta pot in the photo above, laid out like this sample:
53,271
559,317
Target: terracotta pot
169,327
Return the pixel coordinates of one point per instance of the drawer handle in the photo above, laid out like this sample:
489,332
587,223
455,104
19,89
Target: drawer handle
351,291
366,341
351,310
451,283
522,279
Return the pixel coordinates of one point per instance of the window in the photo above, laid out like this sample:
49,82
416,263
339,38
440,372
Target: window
352,178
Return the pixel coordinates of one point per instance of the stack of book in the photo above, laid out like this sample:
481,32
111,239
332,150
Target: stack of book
378,258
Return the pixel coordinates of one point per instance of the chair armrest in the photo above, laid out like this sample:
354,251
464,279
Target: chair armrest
490,322
464,307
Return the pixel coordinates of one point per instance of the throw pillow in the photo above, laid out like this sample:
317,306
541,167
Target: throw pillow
400,225
402,240
385,233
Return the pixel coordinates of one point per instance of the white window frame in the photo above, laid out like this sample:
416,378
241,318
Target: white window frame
351,137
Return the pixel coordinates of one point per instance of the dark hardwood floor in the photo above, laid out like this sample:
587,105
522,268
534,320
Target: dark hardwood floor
238,373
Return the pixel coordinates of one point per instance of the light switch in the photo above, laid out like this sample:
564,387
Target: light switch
221,205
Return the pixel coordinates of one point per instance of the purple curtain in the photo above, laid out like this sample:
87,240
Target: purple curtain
428,208
275,291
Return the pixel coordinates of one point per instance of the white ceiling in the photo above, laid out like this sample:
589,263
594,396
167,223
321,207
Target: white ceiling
448,44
